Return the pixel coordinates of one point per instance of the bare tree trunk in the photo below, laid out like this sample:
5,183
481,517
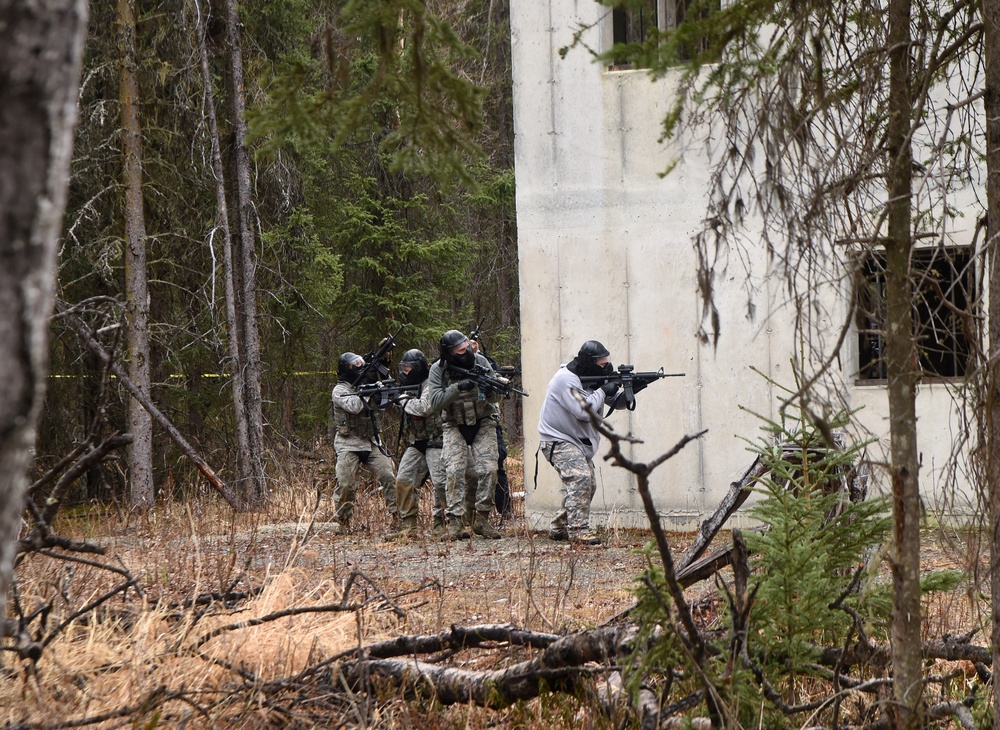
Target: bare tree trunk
140,452
245,264
244,456
41,45
901,367
154,412
991,398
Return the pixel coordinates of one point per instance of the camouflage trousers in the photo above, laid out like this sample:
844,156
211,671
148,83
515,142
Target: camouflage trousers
480,458
579,484
414,468
347,480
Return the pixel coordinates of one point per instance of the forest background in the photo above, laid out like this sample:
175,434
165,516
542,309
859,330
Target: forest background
354,229
226,264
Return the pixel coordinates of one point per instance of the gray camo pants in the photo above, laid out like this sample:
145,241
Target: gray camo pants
579,484
481,457
347,479
413,470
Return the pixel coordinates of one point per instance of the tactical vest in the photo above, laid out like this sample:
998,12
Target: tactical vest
468,410
425,429
352,424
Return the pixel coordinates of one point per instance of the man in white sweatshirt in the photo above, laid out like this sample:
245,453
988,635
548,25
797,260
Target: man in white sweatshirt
569,440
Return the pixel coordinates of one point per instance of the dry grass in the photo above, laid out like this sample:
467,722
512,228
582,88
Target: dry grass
133,651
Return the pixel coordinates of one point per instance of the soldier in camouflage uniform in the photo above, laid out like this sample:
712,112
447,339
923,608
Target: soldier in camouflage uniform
502,495
569,440
355,443
470,418
422,456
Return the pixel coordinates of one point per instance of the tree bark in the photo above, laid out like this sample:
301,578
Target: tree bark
558,666
155,413
901,368
140,423
990,399
41,45
245,264
244,455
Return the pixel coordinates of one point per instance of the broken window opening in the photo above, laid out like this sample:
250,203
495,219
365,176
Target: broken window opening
944,295
640,21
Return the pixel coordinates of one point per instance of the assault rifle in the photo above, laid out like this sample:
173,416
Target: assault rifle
476,335
379,395
630,381
375,364
374,359
485,380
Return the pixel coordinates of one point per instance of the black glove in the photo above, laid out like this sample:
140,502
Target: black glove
400,398
610,388
466,385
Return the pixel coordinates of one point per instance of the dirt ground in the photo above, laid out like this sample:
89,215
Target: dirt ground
188,557
523,578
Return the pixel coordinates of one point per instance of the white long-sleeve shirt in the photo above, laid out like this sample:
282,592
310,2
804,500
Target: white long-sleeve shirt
563,417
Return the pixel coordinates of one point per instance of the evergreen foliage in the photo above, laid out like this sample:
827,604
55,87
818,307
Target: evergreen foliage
375,202
390,66
814,542
809,584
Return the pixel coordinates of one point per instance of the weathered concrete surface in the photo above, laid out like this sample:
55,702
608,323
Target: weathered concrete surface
605,252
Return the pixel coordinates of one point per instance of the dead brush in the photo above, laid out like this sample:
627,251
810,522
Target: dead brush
105,664
130,653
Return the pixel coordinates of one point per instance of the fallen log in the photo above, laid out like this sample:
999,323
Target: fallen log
458,638
558,667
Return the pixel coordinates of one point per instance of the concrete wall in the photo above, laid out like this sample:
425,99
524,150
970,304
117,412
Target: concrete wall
605,252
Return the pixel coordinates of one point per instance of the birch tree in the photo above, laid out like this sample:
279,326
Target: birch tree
41,45
245,458
244,268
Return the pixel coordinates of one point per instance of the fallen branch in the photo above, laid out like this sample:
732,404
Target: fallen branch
557,667
85,456
738,493
153,411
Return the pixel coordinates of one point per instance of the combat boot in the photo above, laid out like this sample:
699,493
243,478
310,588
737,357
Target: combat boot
482,527
558,534
457,531
406,531
584,538
439,529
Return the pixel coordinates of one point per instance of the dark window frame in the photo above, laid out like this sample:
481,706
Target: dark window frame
945,294
637,25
